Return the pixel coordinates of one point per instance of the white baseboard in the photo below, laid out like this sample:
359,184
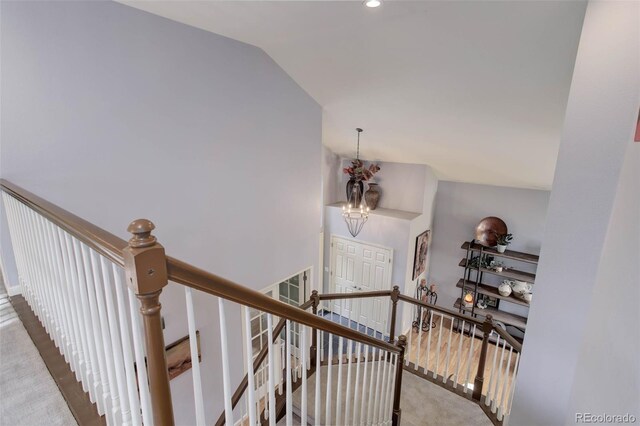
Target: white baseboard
13,291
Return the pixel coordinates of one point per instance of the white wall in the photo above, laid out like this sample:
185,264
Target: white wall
601,115
459,207
115,114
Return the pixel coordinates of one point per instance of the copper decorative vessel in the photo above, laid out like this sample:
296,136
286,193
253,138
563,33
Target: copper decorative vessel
488,230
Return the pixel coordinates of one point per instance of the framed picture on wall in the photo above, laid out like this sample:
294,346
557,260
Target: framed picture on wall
420,256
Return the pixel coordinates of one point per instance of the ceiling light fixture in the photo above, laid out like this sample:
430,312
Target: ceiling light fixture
355,216
372,3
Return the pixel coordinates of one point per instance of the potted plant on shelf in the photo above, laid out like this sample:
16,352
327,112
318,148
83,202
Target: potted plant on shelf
358,173
503,241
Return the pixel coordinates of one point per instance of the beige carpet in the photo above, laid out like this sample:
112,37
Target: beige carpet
28,394
423,403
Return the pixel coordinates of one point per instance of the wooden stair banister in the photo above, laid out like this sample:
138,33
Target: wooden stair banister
148,269
146,272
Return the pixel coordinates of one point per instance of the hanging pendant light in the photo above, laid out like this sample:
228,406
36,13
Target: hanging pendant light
355,213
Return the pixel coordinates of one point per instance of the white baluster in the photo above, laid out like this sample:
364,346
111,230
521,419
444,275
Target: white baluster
370,399
49,283
27,262
251,386
35,273
17,248
195,358
355,389
44,283
378,386
283,362
316,412
73,305
472,336
366,350
31,265
99,284
320,310
446,362
414,312
329,390
54,286
498,378
347,409
226,381
139,350
493,369
383,386
303,345
92,356
456,378
339,384
125,333
288,370
507,409
426,362
271,375
116,341
421,311
390,385
66,299
435,369
505,383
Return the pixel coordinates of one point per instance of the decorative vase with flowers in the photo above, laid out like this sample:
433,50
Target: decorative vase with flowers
358,173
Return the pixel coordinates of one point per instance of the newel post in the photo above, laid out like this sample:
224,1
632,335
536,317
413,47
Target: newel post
397,390
146,271
315,300
394,307
487,327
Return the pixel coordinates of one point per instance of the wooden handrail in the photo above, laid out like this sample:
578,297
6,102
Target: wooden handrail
440,309
517,346
97,238
354,295
183,273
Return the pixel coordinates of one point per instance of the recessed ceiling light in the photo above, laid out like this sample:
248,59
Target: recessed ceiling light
372,3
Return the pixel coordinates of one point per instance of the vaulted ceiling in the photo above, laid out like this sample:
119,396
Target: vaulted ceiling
475,89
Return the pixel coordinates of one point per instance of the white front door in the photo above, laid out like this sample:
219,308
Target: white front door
358,267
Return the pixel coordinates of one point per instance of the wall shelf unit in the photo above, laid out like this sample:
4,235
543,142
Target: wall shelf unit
476,269
498,315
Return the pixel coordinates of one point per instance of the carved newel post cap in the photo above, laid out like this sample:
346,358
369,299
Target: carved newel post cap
141,230
402,340
314,292
396,288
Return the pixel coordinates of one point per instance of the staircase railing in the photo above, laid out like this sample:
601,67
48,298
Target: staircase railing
474,358
83,283
98,297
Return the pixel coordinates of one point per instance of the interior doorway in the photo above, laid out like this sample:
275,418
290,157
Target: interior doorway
358,267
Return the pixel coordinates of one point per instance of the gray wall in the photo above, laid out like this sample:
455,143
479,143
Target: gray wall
608,357
459,208
406,187
401,185
602,112
115,114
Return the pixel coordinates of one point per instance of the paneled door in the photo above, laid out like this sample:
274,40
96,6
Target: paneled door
358,267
